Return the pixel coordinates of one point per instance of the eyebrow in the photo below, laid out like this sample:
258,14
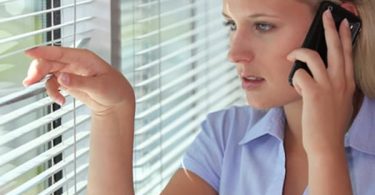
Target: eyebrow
256,15
225,15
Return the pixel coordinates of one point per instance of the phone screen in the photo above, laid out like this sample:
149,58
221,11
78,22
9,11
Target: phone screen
315,38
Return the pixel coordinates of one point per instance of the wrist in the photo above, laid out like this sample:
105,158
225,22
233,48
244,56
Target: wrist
324,143
123,108
325,151
122,103
115,120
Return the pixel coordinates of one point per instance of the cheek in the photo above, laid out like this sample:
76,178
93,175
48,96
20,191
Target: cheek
291,43
294,36
280,73
279,53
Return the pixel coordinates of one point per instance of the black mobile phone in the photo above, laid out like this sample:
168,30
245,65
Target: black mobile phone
315,38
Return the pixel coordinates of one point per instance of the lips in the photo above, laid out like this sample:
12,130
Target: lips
251,82
252,78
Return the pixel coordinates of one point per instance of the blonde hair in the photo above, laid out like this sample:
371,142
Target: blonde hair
364,50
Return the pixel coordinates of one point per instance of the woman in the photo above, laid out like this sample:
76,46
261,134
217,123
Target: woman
315,134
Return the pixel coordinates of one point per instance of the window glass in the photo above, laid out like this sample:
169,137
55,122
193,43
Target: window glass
43,147
14,39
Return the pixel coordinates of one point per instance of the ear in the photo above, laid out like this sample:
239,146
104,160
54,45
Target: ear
350,7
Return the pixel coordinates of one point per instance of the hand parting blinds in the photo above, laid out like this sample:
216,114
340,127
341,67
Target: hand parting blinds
43,147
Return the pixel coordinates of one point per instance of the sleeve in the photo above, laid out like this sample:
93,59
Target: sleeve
205,155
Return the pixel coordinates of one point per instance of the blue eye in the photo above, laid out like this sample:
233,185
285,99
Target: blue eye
263,27
231,24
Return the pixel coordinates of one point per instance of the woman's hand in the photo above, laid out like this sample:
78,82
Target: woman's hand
327,107
110,97
328,96
82,74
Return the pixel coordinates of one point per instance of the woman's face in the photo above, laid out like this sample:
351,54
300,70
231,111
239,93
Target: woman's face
264,32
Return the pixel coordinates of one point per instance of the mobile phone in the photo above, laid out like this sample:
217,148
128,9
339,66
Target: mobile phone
315,38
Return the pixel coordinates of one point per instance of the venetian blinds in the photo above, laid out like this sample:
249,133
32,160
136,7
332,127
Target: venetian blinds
174,52
43,147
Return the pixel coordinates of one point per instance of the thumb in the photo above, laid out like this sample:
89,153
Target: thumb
303,82
73,82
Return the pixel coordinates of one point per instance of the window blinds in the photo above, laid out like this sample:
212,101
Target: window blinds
174,52
43,148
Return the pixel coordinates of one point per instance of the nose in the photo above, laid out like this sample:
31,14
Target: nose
240,50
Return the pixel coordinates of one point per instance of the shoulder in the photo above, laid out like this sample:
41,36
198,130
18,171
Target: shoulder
360,143
361,135
218,141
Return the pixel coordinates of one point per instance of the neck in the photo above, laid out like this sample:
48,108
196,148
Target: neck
293,126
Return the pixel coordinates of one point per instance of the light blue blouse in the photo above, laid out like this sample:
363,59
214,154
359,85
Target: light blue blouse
240,151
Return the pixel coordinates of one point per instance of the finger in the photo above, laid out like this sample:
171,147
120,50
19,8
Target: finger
90,90
303,82
313,61
39,68
96,87
334,47
76,82
81,61
88,87
346,38
77,86
52,88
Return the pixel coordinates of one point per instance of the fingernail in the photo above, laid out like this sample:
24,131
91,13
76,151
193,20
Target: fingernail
24,82
60,101
64,78
31,49
328,13
290,57
298,88
346,22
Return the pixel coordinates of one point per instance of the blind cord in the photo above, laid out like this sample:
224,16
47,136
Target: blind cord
53,43
160,94
74,102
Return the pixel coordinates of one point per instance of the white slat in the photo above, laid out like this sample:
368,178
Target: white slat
31,101
14,134
154,153
218,72
44,30
217,35
38,13
23,149
57,167
193,59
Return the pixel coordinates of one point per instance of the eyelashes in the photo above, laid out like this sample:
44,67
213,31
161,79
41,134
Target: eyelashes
263,26
258,26
230,23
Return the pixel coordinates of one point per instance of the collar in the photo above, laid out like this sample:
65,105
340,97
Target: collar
361,135
272,123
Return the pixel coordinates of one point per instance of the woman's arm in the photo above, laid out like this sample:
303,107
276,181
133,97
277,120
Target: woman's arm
111,100
328,172
185,182
111,152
